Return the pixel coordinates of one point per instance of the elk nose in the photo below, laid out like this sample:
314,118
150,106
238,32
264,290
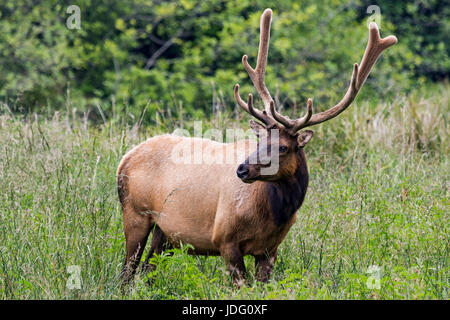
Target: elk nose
242,171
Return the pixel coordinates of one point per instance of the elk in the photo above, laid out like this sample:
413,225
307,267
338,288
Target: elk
231,210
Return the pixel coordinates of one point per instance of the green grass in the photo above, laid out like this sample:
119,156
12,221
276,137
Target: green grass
378,195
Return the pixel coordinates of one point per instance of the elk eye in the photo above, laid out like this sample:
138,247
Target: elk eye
283,149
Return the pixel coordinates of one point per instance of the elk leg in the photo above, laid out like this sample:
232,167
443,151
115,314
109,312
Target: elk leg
264,265
235,264
137,229
159,244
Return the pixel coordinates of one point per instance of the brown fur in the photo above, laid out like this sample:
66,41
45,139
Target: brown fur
205,205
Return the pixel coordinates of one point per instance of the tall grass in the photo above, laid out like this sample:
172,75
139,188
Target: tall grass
378,196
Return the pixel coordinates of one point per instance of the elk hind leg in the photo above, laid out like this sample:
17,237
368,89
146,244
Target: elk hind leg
137,228
159,244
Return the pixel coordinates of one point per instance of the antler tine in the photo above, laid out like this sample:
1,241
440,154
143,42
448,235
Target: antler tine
299,123
248,107
296,124
375,46
257,75
285,121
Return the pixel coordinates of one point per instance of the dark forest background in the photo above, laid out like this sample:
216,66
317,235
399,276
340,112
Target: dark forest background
168,55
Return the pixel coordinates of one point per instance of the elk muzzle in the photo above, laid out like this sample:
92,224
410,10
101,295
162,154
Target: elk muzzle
242,171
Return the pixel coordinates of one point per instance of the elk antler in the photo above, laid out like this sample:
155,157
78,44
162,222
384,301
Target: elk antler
375,46
257,74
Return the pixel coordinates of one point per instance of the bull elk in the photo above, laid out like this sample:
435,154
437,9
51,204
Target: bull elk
230,210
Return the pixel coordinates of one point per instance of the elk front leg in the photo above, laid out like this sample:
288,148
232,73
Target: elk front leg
264,265
234,260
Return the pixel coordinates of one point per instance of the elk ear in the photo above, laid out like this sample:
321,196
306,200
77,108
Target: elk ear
304,137
258,129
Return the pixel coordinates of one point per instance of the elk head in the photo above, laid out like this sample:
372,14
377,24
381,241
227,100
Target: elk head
289,140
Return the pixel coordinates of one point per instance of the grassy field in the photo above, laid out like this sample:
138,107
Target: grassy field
378,200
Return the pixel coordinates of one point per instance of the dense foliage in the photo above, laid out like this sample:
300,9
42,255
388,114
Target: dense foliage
186,54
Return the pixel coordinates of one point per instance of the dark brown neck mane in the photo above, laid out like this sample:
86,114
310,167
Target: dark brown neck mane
286,196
